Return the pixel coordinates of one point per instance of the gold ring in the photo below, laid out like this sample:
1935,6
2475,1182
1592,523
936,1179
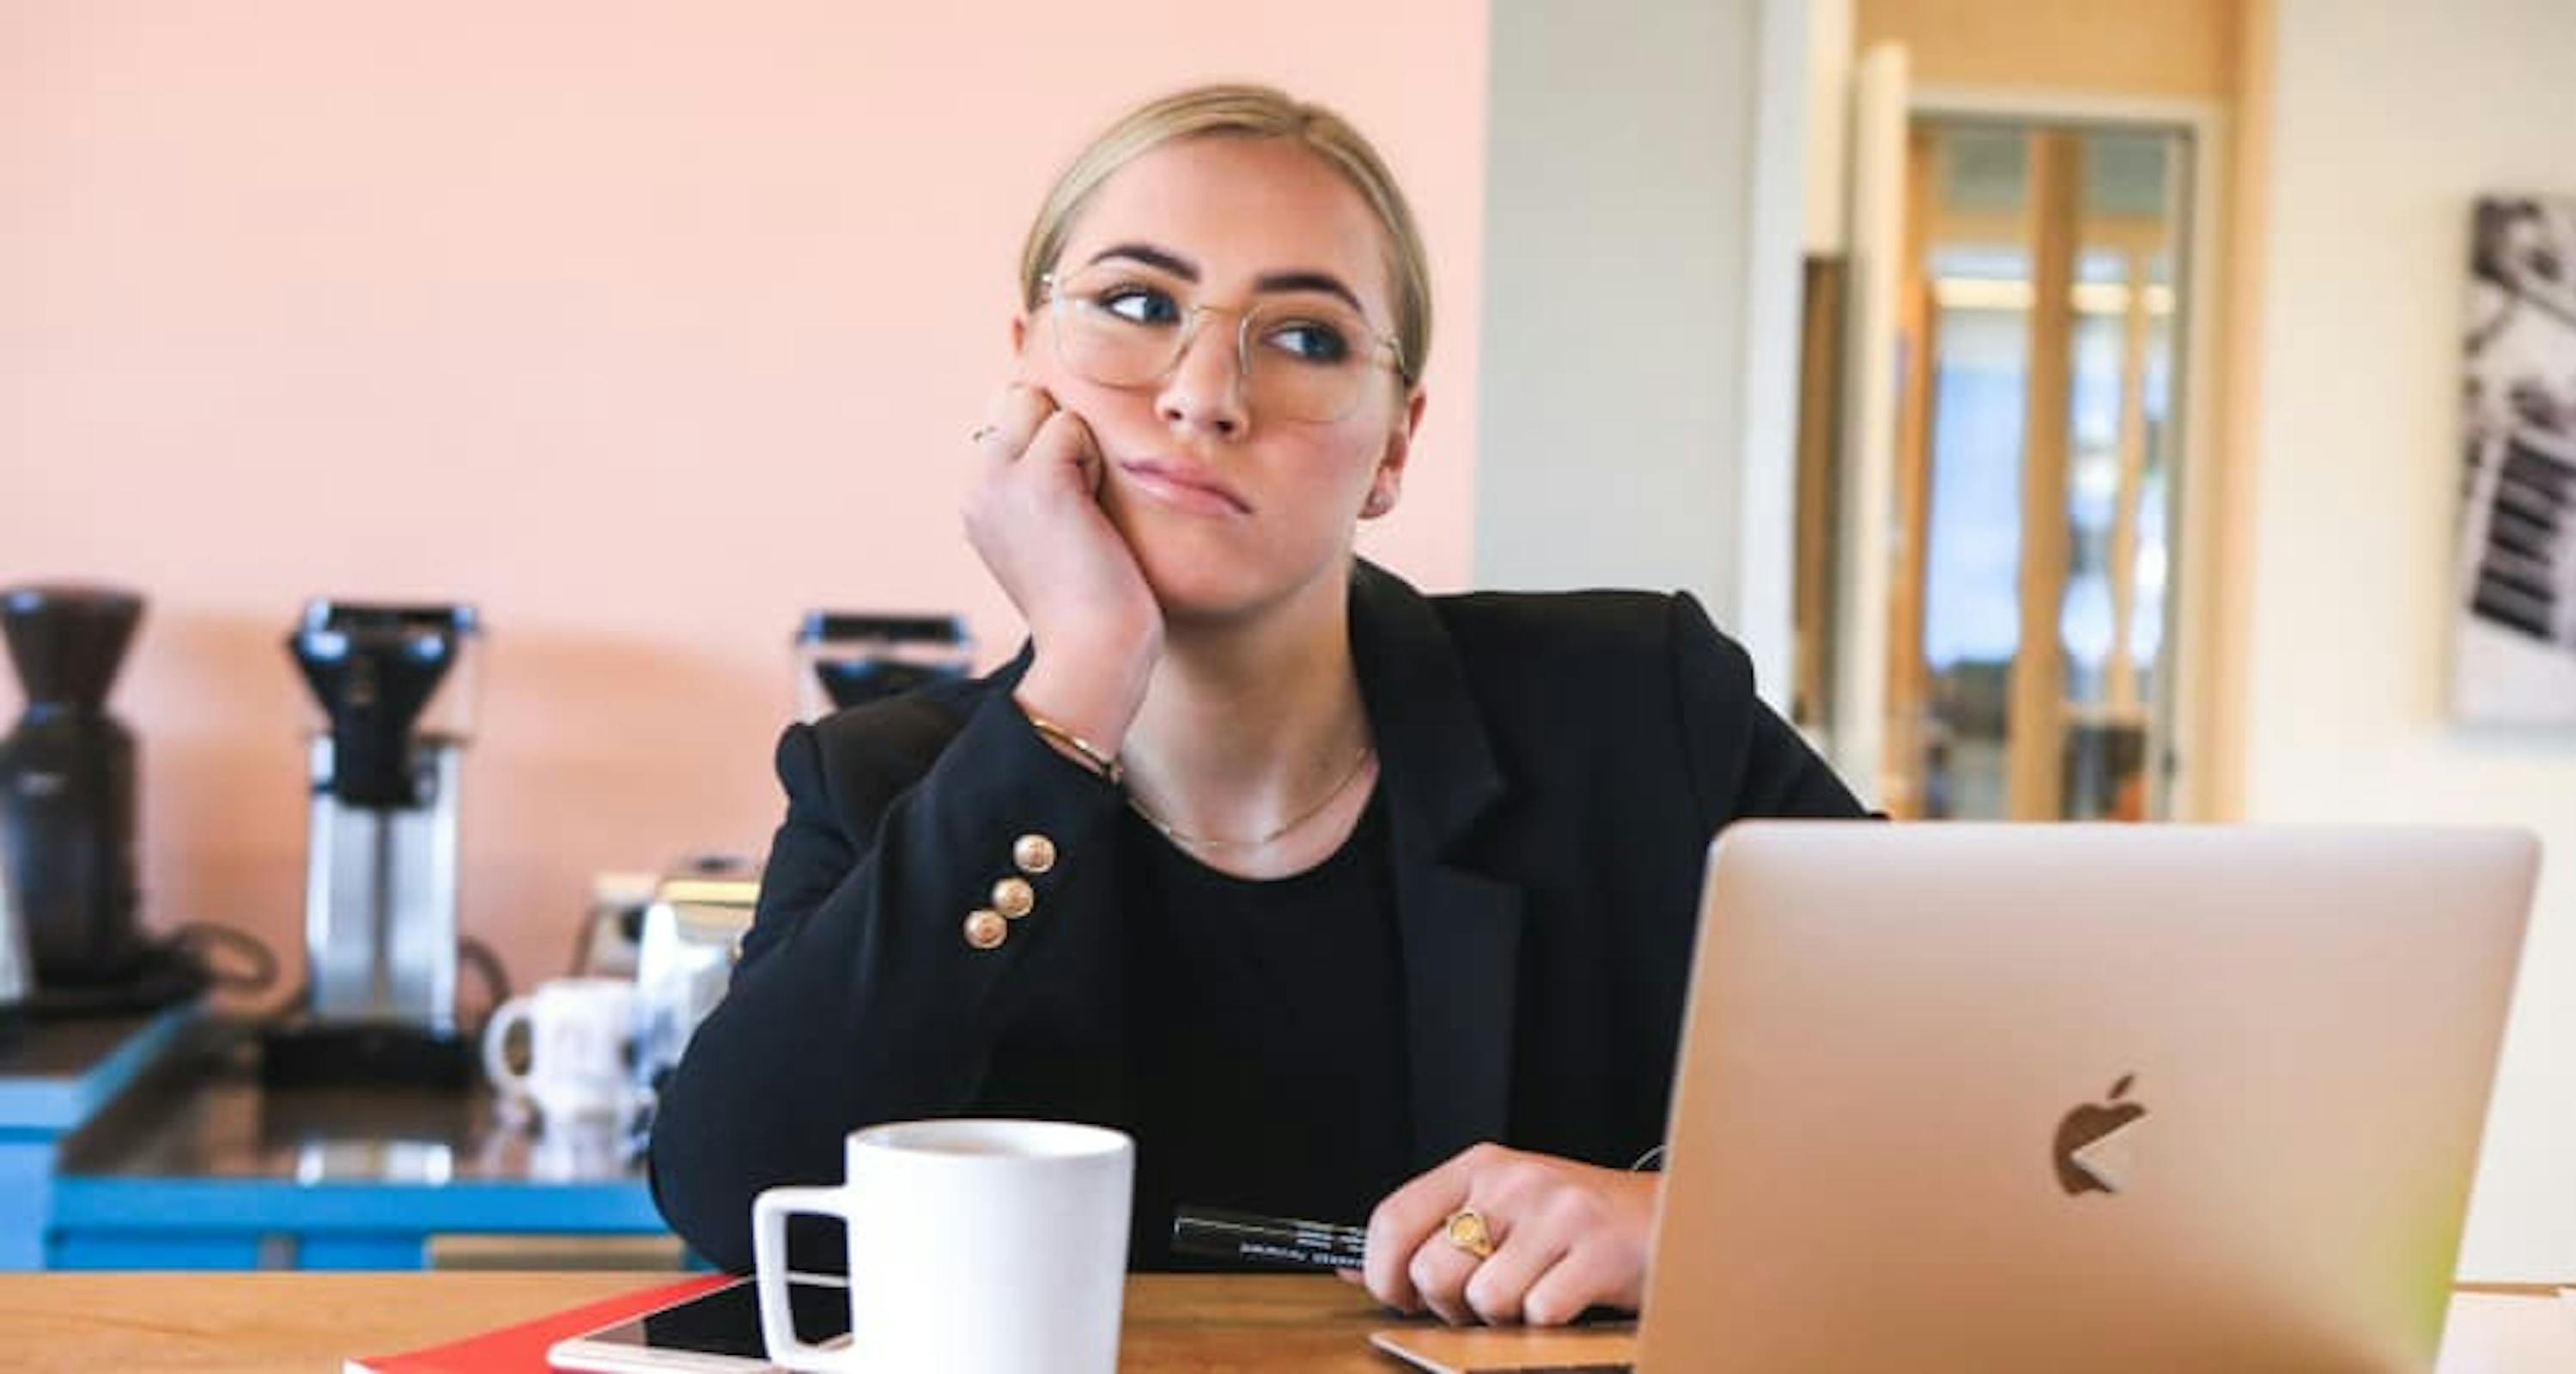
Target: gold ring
980,433
1466,1229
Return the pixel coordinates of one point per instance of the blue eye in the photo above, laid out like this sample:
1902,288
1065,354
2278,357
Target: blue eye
1139,305
1310,341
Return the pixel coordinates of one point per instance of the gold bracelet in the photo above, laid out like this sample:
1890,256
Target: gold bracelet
1101,763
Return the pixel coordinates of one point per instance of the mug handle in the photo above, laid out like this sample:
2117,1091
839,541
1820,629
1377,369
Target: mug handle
769,1213
496,1034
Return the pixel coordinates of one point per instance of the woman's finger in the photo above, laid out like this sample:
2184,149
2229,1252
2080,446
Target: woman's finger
1406,1218
1498,1288
1439,1272
1582,1278
1011,420
1063,440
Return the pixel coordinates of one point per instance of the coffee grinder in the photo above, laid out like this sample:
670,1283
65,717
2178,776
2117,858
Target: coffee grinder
395,687
67,811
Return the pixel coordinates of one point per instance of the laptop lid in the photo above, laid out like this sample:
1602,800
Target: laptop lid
2101,1097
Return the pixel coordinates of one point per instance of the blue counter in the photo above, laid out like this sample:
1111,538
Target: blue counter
54,1078
195,1166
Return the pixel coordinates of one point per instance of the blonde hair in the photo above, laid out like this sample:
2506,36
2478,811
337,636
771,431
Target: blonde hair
1237,111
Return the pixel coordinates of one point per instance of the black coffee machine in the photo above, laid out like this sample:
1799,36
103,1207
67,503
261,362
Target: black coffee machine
393,687
67,810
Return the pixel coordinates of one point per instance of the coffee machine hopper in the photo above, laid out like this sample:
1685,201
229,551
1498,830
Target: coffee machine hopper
848,657
394,685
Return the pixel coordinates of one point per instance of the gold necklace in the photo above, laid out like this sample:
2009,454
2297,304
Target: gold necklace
1173,832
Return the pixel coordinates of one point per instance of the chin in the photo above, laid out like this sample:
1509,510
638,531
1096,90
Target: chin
1216,582
1212,573
1200,588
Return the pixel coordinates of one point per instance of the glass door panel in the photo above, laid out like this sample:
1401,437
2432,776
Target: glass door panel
2037,486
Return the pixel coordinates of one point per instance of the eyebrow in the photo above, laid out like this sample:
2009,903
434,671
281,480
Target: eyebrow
1301,279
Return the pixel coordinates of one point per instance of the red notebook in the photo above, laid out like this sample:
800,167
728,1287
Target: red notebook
524,1346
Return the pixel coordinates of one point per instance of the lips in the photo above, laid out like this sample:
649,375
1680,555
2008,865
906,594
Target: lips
1184,487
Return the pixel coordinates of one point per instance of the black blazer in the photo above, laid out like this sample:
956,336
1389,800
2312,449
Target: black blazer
1554,768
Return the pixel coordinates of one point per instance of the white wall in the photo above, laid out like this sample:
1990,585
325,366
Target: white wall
1642,206
2389,116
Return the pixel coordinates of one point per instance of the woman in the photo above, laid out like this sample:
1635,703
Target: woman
1343,900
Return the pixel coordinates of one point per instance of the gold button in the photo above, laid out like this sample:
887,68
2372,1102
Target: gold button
1014,898
986,929
1034,854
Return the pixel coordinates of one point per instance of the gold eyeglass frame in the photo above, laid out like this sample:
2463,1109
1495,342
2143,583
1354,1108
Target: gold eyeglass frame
1057,302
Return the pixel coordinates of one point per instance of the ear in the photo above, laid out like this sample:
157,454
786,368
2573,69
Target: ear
1019,333
1387,483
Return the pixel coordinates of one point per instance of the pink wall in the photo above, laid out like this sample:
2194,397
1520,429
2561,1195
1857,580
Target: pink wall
643,326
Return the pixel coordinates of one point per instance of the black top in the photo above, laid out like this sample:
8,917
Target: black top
1267,1025
1551,769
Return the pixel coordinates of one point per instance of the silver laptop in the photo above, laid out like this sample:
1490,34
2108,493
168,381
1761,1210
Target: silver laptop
2061,1097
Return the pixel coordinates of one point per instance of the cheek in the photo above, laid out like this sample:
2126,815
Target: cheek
1340,464
1042,366
1039,364
1359,445
1115,414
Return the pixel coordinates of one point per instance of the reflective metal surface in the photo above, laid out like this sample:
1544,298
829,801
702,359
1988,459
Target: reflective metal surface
207,1118
15,979
686,960
62,1050
380,900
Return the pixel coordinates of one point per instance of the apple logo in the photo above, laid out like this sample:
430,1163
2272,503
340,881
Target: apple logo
2091,1152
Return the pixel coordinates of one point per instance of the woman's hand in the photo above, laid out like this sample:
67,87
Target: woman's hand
1034,517
1565,1236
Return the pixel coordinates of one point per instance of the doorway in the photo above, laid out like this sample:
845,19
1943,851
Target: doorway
2037,450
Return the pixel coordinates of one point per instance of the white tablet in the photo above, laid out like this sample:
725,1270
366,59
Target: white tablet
716,1332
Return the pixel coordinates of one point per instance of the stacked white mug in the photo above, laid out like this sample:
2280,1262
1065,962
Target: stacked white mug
581,1052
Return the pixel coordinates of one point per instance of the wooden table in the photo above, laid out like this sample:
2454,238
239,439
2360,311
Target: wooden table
274,1322
311,1321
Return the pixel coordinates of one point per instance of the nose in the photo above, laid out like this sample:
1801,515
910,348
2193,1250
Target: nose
1204,390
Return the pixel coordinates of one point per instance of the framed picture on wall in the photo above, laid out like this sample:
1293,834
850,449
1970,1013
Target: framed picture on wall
2514,654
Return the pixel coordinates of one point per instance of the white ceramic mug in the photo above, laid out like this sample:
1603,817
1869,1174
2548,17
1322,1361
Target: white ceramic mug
976,1247
581,1048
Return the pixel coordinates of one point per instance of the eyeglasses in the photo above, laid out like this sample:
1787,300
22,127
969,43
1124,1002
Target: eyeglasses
1299,359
